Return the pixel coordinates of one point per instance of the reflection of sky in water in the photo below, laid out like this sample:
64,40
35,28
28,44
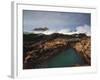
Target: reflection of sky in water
55,21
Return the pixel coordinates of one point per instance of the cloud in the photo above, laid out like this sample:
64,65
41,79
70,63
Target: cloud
64,31
67,31
79,29
84,29
45,32
49,32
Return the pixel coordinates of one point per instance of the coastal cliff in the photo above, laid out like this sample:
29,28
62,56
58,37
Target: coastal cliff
38,49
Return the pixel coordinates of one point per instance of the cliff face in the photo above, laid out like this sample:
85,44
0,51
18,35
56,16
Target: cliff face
84,49
43,49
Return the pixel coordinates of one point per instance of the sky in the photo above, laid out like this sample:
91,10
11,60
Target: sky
60,22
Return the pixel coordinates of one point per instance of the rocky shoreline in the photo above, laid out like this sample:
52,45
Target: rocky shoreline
42,48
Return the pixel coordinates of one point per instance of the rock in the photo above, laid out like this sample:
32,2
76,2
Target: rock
48,47
84,49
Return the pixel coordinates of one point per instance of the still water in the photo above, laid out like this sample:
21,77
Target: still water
66,58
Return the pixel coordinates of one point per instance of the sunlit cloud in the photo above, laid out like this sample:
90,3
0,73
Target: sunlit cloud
79,29
84,29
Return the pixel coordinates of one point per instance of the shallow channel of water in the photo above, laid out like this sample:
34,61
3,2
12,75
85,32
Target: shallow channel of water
66,58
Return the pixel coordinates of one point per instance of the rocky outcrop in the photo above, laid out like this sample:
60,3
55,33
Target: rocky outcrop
39,52
44,51
84,49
